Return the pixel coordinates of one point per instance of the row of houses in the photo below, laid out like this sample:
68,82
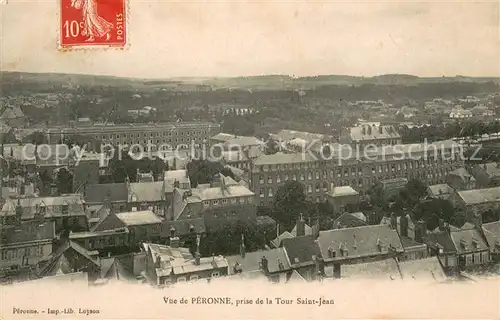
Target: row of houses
386,251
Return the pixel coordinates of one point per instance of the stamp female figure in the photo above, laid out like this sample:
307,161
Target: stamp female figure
93,24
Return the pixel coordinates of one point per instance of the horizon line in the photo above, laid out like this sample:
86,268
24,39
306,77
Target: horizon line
291,76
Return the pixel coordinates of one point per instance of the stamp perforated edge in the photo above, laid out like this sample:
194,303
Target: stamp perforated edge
103,47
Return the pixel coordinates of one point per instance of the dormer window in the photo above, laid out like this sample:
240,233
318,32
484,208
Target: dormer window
42,209
380,245
463,244
331,251
475,243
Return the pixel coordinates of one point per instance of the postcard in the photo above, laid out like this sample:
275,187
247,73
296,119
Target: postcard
249,159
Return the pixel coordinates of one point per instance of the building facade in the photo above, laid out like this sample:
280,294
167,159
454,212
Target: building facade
173,134
25,243
430,164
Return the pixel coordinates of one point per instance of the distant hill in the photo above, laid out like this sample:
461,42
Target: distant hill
264,82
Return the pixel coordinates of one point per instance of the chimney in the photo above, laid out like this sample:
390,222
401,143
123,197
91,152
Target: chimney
317,271
197,253
421,231
107,200
138,173
19,212
174,242
174,163
301,226
372,219
242,246
478,220
315,230
394,221
264,264
172,231
158,261
403,225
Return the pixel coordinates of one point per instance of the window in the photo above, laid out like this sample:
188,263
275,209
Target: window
215,202
65,209
250,200
262,192
215,274
233,201
269,180
278,178
294,177
270,192
309,188
181,279
261,179
224,201
302,177
193,278
206,203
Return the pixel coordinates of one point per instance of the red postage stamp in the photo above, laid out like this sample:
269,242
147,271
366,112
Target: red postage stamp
93,23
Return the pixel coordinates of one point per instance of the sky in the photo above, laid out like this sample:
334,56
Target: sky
240,38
